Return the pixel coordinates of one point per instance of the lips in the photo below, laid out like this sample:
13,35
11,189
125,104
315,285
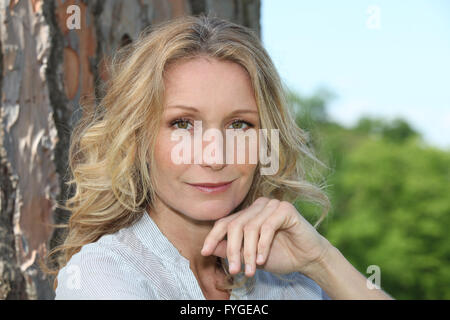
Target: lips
210,184
211,187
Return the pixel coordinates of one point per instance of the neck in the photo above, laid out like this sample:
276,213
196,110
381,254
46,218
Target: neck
185,233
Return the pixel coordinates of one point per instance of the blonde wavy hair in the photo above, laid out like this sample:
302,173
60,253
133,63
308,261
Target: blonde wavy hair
112,146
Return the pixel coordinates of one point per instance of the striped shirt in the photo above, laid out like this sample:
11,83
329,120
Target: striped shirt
139,262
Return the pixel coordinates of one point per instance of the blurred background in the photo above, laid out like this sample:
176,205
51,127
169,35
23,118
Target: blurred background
368,80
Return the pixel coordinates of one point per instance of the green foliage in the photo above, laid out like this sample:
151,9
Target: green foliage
398,130
391,204
310,110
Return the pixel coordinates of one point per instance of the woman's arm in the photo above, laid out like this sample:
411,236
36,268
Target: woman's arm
278,239
340,280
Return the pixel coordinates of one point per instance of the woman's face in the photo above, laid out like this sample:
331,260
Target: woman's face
220,95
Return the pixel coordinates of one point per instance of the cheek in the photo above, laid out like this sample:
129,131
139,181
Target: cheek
165,167
162,156
247,170
246,175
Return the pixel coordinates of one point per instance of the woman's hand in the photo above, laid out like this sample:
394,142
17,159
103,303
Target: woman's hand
274,236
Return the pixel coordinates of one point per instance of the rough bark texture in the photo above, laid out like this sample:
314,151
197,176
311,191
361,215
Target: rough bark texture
46,69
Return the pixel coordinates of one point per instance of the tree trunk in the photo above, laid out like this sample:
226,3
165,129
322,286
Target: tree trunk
46,68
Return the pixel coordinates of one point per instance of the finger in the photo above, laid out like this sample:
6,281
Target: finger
235,234
219,229
251,236
268,230
221,249
216,234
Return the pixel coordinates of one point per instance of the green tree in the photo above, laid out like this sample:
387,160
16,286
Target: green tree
311,110
389,192
392,210
397,130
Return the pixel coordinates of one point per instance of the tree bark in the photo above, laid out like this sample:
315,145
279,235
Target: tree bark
46,69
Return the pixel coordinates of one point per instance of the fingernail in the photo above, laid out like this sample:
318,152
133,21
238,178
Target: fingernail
234,266
260,258
248,268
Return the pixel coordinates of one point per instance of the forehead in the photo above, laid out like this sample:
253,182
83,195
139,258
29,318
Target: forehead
206,82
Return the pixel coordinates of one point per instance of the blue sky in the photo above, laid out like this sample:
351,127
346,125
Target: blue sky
382,58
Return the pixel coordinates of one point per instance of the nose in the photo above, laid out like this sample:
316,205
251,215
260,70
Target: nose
213,157
213,150
214,167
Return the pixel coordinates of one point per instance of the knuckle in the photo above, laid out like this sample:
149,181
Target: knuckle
274,203
212,238
248,256
261,247
261,200
219,223
267,227
286,205
250,227
234,225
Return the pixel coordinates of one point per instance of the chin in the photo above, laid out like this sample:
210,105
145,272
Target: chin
211,210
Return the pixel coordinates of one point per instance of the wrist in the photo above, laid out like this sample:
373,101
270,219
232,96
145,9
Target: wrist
339,279
318,268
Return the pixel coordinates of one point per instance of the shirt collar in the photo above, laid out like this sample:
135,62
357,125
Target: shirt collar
152,238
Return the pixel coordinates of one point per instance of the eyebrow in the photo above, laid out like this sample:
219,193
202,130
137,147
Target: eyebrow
196,110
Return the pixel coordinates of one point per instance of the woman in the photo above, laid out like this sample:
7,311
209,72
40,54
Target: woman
145,226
